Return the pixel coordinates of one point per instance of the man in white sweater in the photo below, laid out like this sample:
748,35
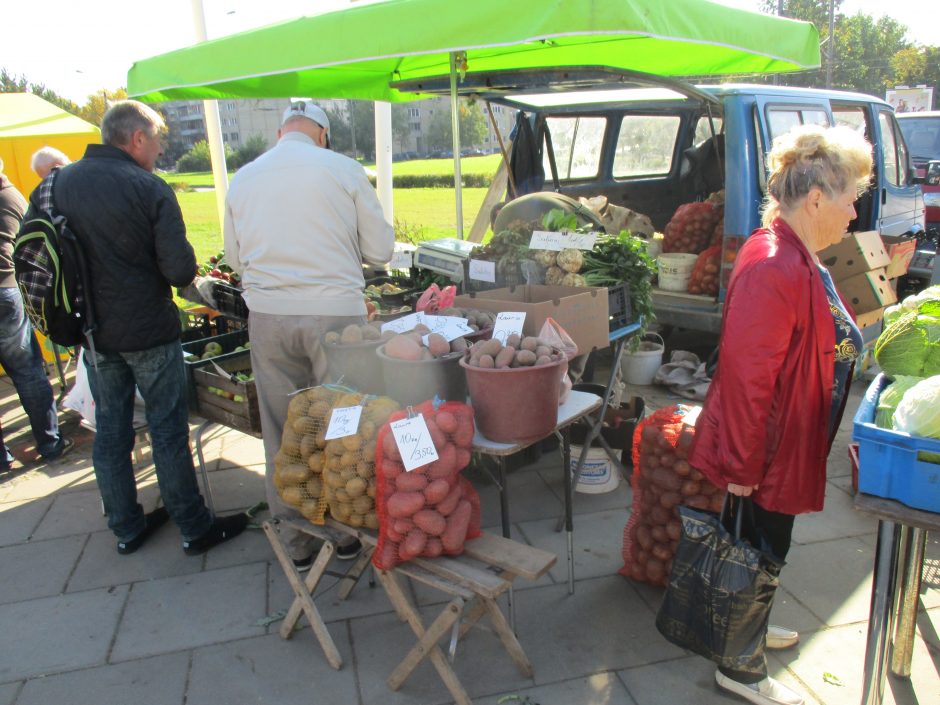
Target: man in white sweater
299,221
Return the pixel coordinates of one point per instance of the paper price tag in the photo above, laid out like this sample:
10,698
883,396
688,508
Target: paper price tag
482,271
448,326
580,241
507,323
401,260
405,323
414,442
343,422
547,240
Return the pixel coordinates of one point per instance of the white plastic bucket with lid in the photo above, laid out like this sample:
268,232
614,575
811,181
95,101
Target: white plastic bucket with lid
640,366
675,270
598,474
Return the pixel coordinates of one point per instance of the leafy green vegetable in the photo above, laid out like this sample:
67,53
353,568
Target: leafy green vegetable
890,398
918,412
910,345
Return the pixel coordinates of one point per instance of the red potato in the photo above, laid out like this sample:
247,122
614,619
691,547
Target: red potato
404,504
402,526
666,479
690,487
446,464
463,458
659,534
697,502
388,557
655,571
391,470
447,505
670,499
457,525
446,421
661,552
649,461
463,437
644,537
436,491
413,545
674,530
393,535
667,459
681,467
390,447
433,548
411,482
430,522
659,515
437,436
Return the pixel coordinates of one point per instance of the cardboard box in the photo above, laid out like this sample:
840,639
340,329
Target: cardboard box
869,318
857,253
581,311
900,249
868,291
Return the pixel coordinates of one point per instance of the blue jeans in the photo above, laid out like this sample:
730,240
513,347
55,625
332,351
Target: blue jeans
160,375
21,358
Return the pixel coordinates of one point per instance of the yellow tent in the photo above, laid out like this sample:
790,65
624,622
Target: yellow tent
27,122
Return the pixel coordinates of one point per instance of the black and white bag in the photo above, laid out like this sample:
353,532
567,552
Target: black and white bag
52,274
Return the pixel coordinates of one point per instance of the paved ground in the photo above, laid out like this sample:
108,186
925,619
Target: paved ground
82,625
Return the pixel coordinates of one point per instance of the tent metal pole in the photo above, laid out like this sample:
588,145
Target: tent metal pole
455,127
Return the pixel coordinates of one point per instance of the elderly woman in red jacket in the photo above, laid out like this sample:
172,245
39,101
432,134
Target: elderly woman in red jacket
788,345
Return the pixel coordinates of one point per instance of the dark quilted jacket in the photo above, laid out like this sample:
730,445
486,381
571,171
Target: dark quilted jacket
130,225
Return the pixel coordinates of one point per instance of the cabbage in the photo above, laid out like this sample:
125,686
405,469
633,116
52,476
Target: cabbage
919,413
890,398
910,345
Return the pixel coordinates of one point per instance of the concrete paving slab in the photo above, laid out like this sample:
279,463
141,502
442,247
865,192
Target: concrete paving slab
241,451
269,669
837,520
154,681
59,633
161,557
45,480
73,513
832,579
598,543
236,488
38,568
529,497
603,626
250,547
183,612
840,651
582,503
18,520
381,642
599,689
8,693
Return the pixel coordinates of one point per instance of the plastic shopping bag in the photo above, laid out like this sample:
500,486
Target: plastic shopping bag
554,335
435,299
718,598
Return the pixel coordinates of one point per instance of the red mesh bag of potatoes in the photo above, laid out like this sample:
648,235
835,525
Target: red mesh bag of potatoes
706,273
662,480
431,510
691,227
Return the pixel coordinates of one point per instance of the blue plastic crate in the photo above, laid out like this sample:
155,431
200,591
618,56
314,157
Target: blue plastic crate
888,465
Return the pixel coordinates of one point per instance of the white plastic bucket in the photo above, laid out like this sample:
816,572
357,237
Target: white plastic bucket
640,367
675,270
598,474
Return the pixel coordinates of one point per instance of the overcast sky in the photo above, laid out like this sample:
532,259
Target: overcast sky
76,48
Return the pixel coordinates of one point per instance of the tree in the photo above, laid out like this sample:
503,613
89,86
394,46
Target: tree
864,49
253,148
362,116
915,66
472,126
198,159
98,103
401,125
10,83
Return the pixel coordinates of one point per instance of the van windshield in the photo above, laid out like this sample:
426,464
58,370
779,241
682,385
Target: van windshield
922,135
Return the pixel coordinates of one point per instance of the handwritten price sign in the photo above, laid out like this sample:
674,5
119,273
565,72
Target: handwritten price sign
546,240
343,422
405,323
507,323
482,271
401,260
448,326
414,442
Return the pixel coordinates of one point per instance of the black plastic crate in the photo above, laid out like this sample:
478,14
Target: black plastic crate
228,341
619,307
196,327
228,300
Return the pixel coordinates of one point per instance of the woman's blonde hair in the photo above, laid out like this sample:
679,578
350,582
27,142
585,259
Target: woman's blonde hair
827,158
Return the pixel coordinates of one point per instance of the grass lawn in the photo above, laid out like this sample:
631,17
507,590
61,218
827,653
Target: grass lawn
422,213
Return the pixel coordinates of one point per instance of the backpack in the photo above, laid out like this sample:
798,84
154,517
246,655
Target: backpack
52,275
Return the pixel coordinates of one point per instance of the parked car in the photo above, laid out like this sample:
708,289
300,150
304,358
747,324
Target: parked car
922,134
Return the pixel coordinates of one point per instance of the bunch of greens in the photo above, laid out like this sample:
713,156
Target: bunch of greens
910,345
619,259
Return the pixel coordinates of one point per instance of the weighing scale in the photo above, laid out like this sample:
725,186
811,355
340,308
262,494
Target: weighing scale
445,256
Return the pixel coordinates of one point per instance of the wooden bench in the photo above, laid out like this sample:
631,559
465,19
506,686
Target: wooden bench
473,580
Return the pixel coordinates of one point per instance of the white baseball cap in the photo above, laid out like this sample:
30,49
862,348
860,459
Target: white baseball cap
308,109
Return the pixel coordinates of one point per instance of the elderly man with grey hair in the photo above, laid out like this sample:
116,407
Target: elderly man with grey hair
129,224
46,159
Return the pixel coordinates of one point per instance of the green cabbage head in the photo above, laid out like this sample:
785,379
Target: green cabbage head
890,398
919,410
911,344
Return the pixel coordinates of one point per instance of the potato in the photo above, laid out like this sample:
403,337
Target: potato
293,496
295,474
458,345
438,345
543,360
526,358
403,348
404,504
354,519
411,482
370,520
513,340
413,545
430,521
314,487
505,357
487,362
363,504
355,487
490,347
351,334
457,524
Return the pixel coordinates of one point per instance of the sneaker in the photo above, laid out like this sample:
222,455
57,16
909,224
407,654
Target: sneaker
765,692
152,521
781,637
65,445
221,529
349,551
304,564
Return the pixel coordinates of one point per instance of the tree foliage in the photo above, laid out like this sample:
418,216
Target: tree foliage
11,83
471,123
98,103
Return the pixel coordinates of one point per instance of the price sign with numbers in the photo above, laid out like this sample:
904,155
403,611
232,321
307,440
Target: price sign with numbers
482,271
547,240
414,442
448,326
343,422
507,323
405,323
401,260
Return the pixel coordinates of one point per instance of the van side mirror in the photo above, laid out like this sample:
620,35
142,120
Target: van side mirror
933,173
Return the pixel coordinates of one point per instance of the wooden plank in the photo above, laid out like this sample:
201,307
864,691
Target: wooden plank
892,510
513,647
310,585
478,580
415,572
493,196
426,642
514,557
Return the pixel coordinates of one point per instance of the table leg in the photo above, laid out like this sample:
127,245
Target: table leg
503,497
882,599
202,465
569,520
912,549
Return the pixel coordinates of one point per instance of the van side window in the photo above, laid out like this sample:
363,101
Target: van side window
783,119
904,157
853,117
703,130
890,147
577,143
645,145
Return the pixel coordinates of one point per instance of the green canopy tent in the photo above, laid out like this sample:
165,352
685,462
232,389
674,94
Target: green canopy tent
368,51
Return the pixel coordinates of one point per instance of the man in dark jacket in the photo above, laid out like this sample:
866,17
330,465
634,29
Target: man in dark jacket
130,226
20,355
